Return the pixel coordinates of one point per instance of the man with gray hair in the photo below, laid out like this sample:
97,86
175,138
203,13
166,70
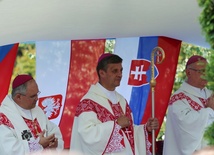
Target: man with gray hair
190,111
24,127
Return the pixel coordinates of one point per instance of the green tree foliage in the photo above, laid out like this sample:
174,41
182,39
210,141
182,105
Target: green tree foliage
209,135
209,72
25,60
186,51
207,23
109,45
207,20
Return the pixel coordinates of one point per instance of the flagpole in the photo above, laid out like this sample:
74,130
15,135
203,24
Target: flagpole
153,84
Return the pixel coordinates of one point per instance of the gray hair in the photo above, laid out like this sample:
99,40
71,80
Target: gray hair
19,90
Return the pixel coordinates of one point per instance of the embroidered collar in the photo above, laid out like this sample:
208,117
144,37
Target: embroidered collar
27,112
111,95
194,90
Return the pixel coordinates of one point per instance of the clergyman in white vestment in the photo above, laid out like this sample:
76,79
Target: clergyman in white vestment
103,123
24,127
190,112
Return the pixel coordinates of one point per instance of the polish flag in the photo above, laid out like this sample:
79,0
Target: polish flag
64,72
66,69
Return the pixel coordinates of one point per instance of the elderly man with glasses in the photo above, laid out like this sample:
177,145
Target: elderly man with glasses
24,127
190,111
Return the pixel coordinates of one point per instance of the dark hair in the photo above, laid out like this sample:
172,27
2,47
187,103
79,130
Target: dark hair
103,64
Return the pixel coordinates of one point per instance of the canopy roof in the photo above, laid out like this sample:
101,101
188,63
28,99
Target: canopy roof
38,20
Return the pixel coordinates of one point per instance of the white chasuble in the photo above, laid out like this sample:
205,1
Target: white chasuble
95,131
187,119
19,131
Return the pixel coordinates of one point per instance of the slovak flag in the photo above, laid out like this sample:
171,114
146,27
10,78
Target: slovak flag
7,61
139,72
135,84
66,69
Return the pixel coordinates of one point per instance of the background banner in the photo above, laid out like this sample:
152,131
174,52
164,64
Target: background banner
64,72
52,70
66,69
7,60
135,85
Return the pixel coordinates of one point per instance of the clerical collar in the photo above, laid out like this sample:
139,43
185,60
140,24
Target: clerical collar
202,92
111,95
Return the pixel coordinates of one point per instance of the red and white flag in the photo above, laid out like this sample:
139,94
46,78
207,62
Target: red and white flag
136,54
7,61
52,70
66,69
64,72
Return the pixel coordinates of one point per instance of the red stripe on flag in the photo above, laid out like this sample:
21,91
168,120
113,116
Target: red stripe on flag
165,80
6,70
84,55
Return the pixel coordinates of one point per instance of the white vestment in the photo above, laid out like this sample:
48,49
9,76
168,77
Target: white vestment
95,131
15,135
187,120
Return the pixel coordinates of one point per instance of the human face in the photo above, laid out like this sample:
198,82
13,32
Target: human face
111,78
195,73
28,100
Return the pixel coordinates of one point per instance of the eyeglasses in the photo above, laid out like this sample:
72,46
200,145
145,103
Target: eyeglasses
201,71
33,97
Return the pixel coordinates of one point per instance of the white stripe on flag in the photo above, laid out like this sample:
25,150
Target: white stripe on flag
127,49
52,69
